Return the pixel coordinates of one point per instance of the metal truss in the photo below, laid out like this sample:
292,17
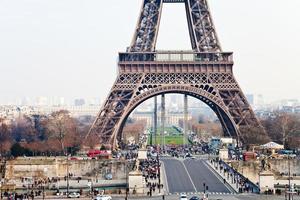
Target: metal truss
220,91
147,29
202,31
204,73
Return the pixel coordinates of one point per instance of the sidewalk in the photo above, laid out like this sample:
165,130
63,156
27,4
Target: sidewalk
229,179
164,181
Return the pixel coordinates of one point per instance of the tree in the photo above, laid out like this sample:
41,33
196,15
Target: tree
285,126
205,128
17,150
288,125
61,130
39,125
253,135
91,141
23,129
134,130
5,137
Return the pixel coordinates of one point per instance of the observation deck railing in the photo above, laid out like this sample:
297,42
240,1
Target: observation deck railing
176,56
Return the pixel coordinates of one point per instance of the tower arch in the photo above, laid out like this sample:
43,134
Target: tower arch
202,95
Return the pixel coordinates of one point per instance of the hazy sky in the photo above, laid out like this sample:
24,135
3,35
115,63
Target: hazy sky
69,47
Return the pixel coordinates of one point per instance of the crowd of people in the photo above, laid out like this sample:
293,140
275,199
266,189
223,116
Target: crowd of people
15,196
242,183
151,172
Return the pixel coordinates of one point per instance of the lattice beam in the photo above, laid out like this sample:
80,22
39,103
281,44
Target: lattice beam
205,73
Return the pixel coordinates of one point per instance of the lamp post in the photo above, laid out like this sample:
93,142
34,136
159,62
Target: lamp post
207,191
43,190
127,189
1,190
68,174
289,164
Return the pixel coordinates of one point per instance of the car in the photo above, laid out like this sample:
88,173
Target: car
74,195
194,198
183,196
103,197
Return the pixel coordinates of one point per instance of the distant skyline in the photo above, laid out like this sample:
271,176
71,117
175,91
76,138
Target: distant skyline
68,48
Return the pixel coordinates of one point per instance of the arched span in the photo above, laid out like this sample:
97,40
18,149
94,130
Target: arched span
212,100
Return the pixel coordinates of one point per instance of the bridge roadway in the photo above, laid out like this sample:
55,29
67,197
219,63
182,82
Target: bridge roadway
189,175
175,197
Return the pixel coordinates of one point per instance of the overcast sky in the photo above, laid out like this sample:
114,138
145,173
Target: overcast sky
69,47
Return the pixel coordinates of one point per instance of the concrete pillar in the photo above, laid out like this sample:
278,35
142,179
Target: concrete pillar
266,181
223,154
163,119
136,182
185,123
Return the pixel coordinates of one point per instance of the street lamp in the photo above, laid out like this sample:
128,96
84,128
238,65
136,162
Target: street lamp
291,190
289,164
90,186
43,190
68,174
1,189
207,191
127,170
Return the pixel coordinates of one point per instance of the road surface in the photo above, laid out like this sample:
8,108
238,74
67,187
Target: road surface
176,197
189,176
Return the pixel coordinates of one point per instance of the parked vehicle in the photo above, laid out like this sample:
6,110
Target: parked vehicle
108,176
103,197
183,196
74,195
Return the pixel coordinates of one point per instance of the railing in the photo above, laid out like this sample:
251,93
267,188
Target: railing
176,56
254,187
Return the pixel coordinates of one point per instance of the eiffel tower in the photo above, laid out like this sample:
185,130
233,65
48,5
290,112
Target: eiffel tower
205,72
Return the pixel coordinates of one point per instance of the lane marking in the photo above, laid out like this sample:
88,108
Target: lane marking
189,176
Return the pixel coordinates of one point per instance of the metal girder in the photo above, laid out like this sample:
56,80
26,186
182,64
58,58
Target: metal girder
229,104
205,73
202,31
201,27
147,28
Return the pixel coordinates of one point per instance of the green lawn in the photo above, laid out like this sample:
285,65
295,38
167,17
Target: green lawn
169,130
173,136
169,140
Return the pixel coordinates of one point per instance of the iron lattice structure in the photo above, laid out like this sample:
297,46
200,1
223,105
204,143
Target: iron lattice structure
205,73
